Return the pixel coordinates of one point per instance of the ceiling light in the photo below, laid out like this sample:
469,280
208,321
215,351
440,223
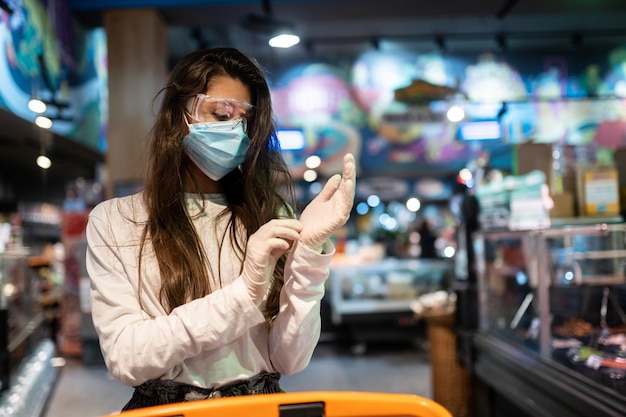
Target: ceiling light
43,162
455,114
43,122
309,175
37,106
284,40
280,32
413,204
313,162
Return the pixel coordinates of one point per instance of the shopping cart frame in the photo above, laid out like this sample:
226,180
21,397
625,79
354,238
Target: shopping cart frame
301,404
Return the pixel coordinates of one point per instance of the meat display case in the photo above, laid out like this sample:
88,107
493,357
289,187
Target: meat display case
372,301
552,328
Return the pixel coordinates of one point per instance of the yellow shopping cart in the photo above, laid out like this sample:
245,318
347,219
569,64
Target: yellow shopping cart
301,404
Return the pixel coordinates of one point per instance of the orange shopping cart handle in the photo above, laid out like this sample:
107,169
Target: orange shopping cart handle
300,404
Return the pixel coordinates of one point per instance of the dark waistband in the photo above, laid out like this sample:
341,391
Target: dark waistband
168,391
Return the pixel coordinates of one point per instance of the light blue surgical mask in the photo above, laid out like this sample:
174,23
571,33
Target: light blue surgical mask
217,147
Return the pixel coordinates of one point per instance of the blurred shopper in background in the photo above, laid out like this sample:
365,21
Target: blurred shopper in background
428,238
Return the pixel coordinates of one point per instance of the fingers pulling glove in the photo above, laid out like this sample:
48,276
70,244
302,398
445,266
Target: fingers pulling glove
263,250
331,208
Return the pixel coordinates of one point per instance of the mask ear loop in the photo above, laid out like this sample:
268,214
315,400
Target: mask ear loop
187,114
243,122
185,117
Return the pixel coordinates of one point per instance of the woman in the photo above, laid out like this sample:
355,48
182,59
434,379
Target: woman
205,284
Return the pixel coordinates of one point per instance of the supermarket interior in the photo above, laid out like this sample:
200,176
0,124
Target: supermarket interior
483,265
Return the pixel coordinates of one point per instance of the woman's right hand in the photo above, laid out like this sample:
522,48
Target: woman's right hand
264,248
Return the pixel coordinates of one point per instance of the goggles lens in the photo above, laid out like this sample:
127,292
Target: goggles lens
205,108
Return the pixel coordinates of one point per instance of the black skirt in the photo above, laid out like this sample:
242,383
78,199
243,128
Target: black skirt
159,392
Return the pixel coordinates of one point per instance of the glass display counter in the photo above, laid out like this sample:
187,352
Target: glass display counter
27,374
551,306
21,314
372,301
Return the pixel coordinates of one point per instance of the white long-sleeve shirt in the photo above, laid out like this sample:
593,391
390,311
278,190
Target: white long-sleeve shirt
206,342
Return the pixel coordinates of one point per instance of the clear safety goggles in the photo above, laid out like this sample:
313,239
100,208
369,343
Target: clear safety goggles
203,108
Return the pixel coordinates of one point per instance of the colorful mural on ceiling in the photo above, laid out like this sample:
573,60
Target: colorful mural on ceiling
318,100
354,108
45,55
347,106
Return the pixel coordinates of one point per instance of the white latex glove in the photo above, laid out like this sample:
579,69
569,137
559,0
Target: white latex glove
331,208
264,248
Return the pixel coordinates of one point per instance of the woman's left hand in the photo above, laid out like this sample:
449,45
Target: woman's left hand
331,208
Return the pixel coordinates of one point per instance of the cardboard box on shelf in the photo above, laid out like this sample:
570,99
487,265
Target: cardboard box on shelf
600,191
619,158
532,156
564,206
560,176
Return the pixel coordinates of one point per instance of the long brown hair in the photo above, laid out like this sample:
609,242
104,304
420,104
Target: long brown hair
255,193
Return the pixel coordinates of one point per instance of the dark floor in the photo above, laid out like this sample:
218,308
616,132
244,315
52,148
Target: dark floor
398,367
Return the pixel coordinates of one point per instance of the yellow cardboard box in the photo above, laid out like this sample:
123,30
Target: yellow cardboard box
601,192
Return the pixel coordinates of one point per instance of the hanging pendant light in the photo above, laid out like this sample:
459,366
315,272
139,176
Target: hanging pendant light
43,162
284,40
279,33
37,106
43,122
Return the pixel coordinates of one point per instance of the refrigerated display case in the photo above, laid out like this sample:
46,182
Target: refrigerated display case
26,352
552,329
22,318
372,301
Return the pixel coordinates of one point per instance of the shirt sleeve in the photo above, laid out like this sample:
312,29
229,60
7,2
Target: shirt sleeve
296,329
136,346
